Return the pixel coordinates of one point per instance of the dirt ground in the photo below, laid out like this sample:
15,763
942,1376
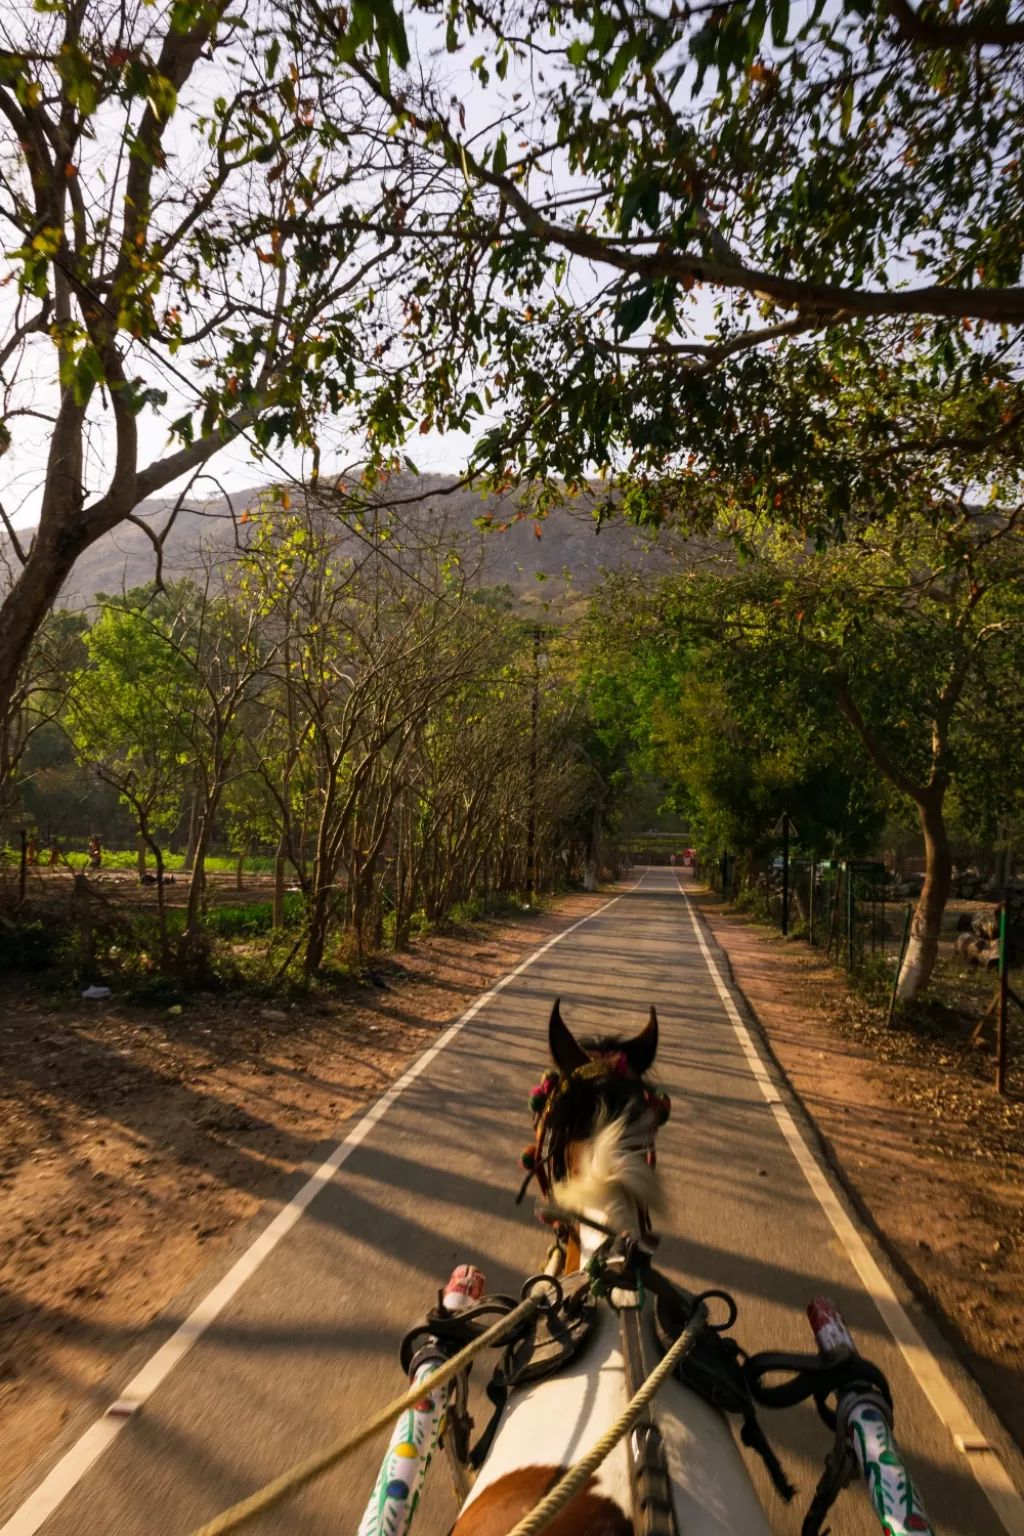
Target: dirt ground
46,888
931,1152
133,1141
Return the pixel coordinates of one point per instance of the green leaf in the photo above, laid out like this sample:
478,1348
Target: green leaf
183,428
630,316
162,96
606,30
755,28
846,106
89,372
780,22
623,59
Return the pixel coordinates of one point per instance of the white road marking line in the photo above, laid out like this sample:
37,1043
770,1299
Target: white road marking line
983,1461
89,1447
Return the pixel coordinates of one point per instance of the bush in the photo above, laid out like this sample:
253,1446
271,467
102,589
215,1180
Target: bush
249,920
872,977
753,899
156,991
31,946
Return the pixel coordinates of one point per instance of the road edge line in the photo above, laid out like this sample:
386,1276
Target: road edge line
985,1464
101,1434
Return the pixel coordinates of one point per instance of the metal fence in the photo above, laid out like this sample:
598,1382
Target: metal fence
839,905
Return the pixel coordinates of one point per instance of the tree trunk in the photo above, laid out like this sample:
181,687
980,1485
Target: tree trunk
398,875
193,832
592,864
161,905
927,923
317,931
192,948
82,904
197,885
278,918
31,596
141,858
405,887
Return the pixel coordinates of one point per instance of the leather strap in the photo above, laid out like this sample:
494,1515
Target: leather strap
653,1509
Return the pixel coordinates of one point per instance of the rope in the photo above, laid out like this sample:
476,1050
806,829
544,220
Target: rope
577,1476
307,1471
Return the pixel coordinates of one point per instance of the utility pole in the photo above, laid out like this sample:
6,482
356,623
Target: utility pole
785,873
531,828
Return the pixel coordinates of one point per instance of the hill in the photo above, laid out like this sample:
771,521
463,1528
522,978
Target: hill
553,562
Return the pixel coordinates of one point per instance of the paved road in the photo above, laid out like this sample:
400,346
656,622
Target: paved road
308,1344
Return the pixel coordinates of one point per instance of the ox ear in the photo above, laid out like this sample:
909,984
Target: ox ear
641,1051
566,1053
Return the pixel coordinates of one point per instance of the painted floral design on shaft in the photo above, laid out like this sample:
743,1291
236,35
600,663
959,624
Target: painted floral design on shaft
397,1489
896,1500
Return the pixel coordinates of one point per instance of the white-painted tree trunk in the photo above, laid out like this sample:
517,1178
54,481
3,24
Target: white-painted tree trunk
923,949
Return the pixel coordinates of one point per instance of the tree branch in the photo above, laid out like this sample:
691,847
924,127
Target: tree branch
103,515
711,352
994,304
178,56
962,444
941,34
879,756
38,322
15,541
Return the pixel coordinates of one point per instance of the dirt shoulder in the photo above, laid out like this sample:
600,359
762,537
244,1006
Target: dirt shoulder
134,1141
934,1156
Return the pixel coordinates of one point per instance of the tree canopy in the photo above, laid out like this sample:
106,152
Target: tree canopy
662,237
162,164
824,683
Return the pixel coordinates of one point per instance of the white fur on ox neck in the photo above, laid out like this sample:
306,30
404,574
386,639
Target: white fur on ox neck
610,1177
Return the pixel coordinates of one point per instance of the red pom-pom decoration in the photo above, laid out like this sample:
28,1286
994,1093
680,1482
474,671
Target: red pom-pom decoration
543,1091
528,1158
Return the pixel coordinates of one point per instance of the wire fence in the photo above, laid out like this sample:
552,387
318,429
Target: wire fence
853,911
842,906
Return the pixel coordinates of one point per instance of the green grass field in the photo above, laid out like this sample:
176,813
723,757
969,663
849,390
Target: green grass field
127,858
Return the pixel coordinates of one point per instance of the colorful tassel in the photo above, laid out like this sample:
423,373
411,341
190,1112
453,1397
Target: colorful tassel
528,1158
543,1091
